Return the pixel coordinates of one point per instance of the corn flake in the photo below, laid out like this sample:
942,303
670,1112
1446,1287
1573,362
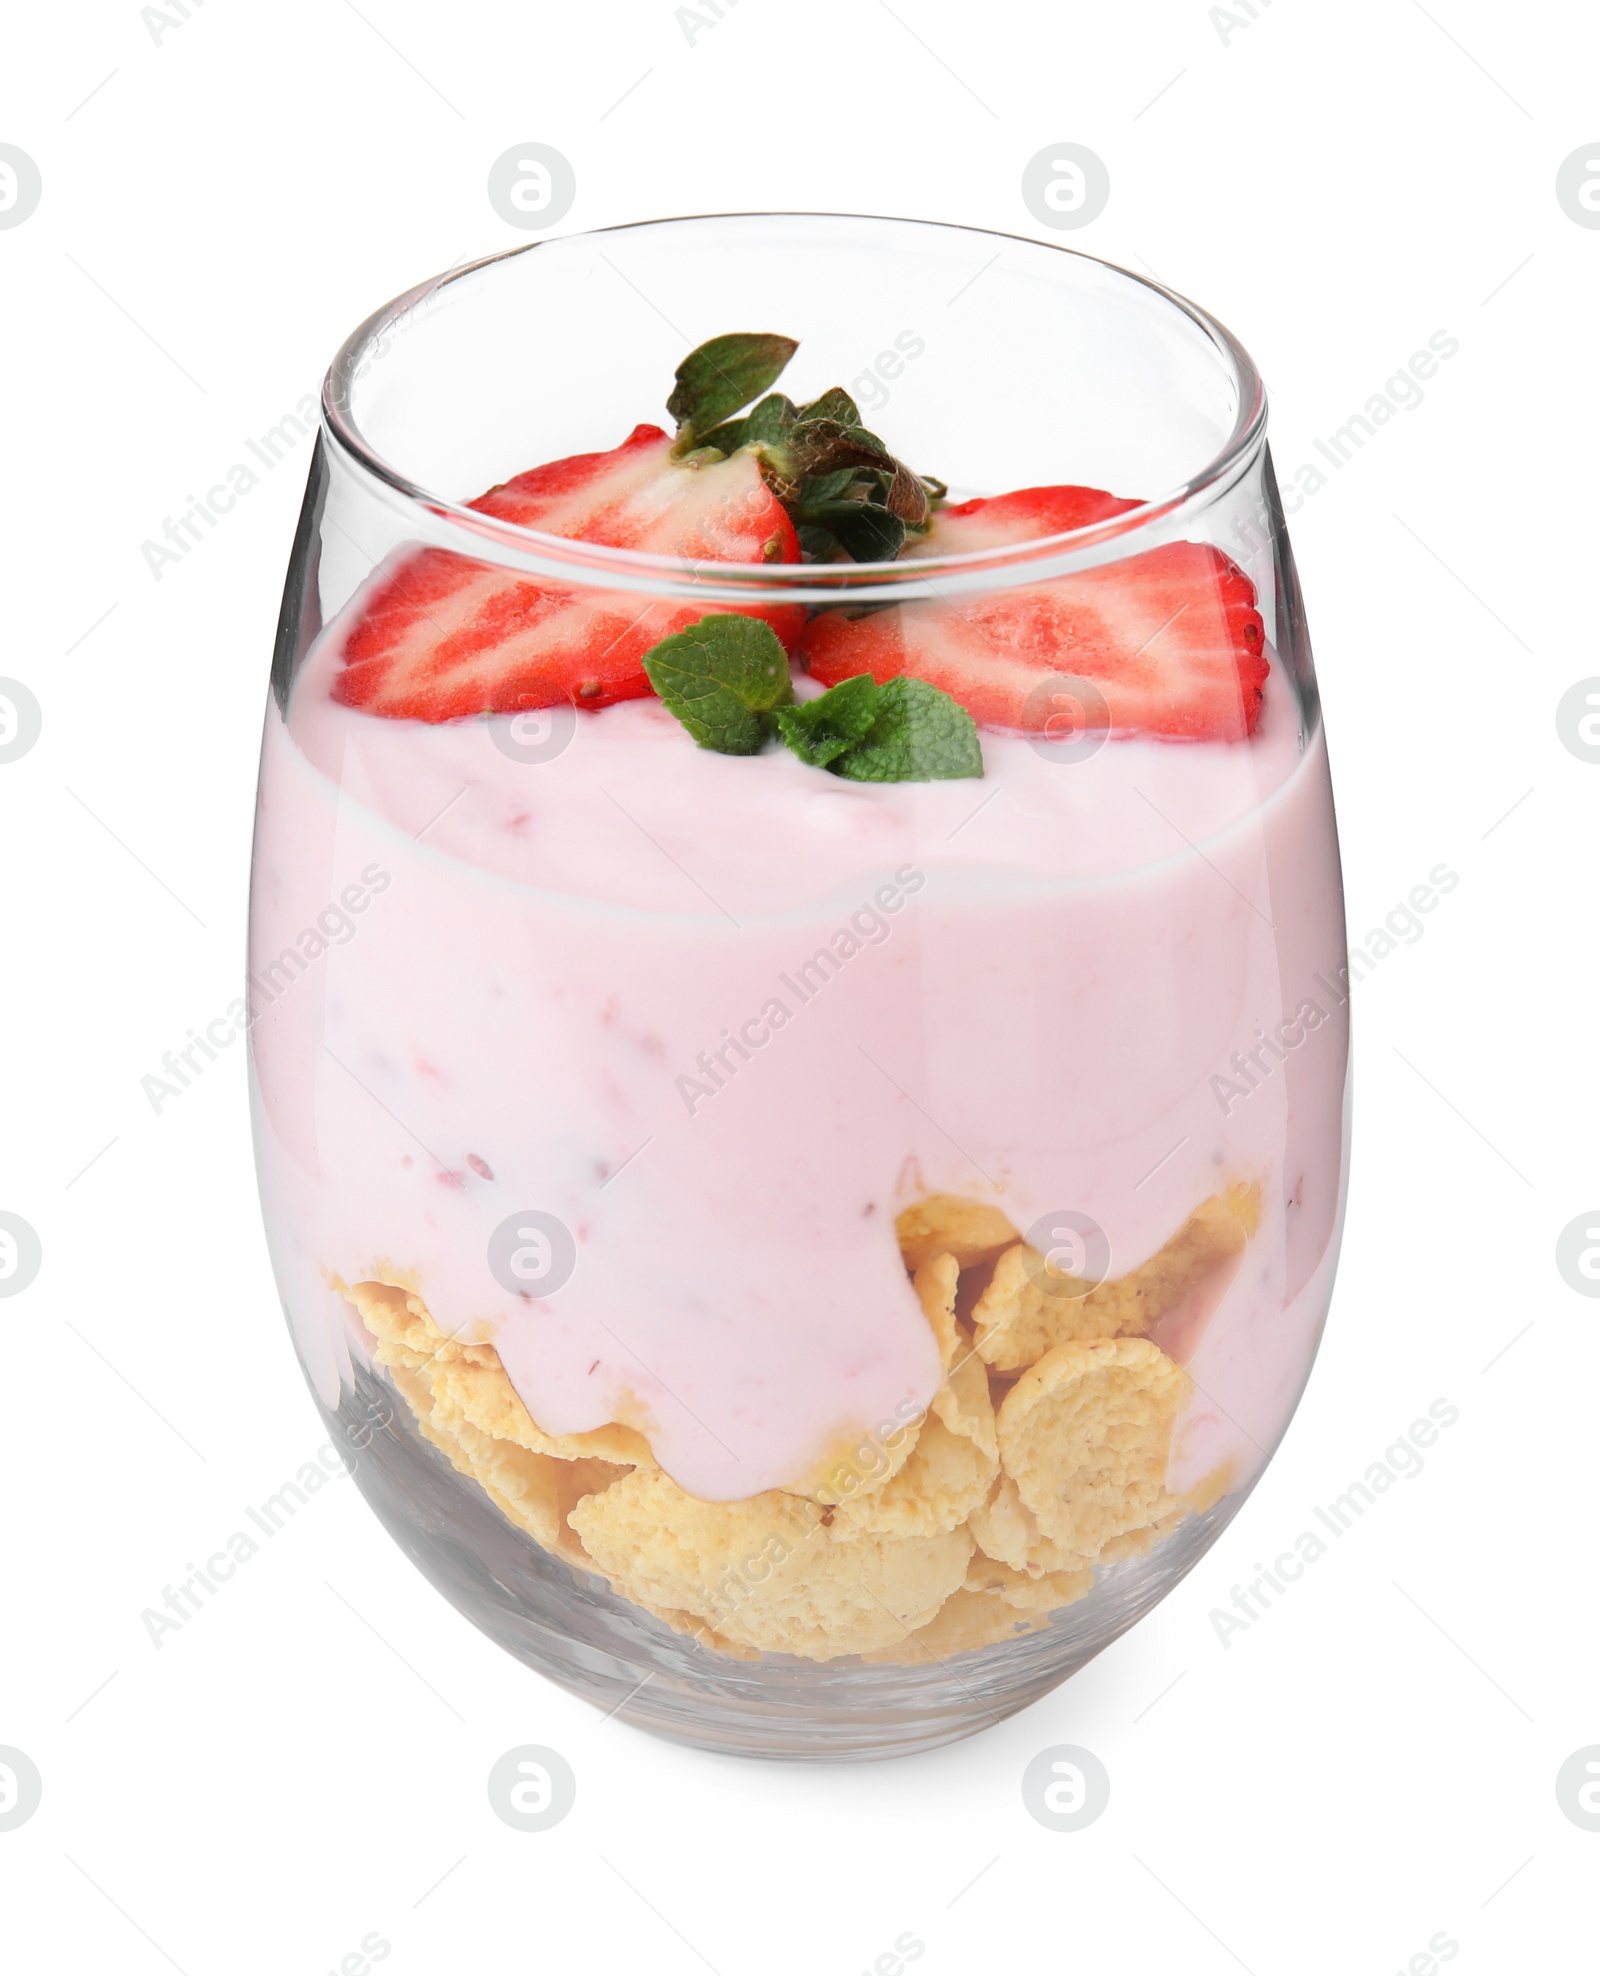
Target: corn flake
964,1624
536,1492
951,1224
1030,1306
857,1464
945,1480
1046,1593
1084,1435
771,1572
963,1401
1005,1530
936,1282
469,1384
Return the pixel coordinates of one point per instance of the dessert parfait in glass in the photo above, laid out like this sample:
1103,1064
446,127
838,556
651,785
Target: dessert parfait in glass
798,1028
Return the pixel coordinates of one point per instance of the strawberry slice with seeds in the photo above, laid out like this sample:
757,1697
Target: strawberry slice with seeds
1171,637
442,636
996,519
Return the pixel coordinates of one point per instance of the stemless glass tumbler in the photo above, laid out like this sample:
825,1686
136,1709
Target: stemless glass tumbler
835,1237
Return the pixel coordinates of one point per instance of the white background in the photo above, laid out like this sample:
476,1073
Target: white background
1370,1763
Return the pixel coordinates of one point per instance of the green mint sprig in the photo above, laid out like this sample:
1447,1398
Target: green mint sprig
727,679
722,676
918,734
820,731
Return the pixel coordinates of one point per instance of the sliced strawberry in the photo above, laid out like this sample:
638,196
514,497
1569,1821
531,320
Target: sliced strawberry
994,520
442,636
1171,637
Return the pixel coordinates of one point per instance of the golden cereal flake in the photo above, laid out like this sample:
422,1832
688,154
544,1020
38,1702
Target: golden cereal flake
1203,1496
1141,1542
1005,1529
861,1462
770,1572
470,1385
956,1455
486,1399
935,1283
536,1492
405,1330
945,1480
969,1230
1046,1593
964,1624
963,1402
702,1634
1213,1238
1085,1433
1029,1306
858,1463
1210,1489
950,1460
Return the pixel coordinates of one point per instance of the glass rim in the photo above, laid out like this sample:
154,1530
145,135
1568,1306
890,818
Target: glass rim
452,524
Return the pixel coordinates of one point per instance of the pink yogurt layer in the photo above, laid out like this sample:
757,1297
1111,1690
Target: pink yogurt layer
1028,991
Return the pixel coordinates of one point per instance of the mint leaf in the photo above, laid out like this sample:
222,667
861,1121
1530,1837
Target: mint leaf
722,677
907,731
722,376
918,734
821,730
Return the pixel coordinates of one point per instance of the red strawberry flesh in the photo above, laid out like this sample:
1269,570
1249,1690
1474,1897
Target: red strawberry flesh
1022,516
442,636
1171,637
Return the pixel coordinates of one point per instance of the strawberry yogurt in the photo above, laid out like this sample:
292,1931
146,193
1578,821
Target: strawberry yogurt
723,1017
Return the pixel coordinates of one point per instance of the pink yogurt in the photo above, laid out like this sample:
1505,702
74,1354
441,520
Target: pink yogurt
1031,988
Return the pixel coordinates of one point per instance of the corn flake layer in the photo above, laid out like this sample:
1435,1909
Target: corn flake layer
1042,1455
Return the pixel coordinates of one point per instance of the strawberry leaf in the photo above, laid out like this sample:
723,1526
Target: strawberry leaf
918,734
722,677
816,448
846,493
815,489
721,377
761,425
821,730
866,532
835,404
822,445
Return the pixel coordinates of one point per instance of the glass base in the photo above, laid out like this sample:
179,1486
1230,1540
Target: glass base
570,1627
